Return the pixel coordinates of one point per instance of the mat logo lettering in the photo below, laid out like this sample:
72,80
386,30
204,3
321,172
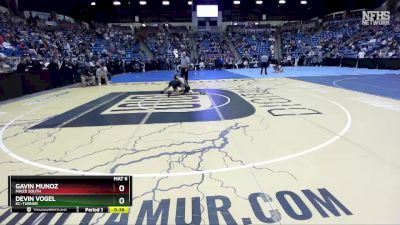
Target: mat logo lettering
218,209
274,104
150,107
160,103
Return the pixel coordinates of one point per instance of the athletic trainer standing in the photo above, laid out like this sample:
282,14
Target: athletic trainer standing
185,64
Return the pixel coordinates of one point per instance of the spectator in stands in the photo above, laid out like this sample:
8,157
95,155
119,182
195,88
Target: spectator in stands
4,67
289,60
37,66
168,64
217,63
128,67
296,60
202,65
237,63
229,64
54,70
23,66
246,63
361,54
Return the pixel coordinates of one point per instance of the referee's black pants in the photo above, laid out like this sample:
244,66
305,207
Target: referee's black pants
185,74
264,66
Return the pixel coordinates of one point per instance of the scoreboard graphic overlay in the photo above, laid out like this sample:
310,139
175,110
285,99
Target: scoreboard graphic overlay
86,194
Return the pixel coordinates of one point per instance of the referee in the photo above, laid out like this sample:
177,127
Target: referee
264,63
185,64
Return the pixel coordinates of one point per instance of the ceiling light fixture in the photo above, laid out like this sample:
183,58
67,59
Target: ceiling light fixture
116,3
303,2
282,1
142,2
93,3
190,3
165,2
259,2
236,2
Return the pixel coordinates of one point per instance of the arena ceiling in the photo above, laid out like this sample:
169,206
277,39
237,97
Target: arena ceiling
180,10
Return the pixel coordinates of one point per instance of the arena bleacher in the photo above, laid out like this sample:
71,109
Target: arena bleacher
344,38
28,44
213,49
253,42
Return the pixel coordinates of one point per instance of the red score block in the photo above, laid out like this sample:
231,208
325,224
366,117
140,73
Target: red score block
77,189
70,185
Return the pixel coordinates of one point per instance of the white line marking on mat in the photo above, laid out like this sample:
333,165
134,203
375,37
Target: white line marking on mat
233,168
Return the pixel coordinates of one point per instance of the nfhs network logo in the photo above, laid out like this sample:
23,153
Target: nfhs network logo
376,18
